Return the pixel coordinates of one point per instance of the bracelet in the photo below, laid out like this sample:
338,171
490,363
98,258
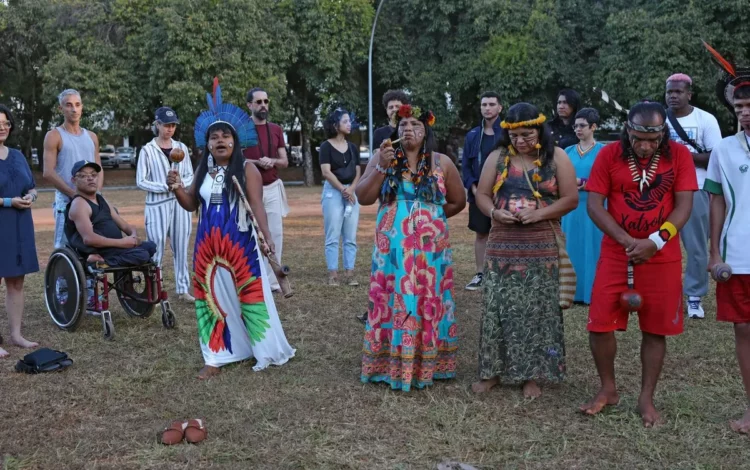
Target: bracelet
380,169
33,197
667,231
658,240
492,214
7,202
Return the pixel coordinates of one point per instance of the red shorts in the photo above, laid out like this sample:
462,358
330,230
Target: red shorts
659,284
733,299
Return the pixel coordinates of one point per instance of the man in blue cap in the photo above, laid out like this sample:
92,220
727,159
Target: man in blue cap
164,216
94,229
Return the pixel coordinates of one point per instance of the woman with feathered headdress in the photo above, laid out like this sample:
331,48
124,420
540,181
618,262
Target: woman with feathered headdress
237,317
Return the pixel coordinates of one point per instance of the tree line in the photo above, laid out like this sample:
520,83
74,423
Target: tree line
128,57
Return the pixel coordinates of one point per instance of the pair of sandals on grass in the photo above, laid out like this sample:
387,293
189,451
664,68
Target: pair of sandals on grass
192,431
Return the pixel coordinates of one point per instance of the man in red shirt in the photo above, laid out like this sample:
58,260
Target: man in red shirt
648,183
269,155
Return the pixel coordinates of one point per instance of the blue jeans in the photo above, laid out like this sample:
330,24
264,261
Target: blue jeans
337,226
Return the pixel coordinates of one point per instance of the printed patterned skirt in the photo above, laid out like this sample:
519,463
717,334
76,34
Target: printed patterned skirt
522,323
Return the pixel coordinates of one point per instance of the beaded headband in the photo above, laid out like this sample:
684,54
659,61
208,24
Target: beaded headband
530,123
647,129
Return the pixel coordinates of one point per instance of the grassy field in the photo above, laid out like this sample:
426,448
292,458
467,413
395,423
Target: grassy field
106,411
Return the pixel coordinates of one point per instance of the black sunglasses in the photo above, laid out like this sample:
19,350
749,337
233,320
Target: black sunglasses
265,101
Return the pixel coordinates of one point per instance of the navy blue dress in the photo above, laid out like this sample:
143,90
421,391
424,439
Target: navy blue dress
16,226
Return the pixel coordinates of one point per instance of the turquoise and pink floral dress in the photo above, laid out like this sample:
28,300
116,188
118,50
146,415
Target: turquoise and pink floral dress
410,335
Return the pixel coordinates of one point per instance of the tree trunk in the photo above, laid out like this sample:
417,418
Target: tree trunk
306,126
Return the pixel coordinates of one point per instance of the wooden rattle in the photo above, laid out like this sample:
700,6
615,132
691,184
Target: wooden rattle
176,156
721,272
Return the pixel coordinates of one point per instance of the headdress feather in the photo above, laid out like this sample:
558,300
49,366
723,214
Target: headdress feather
224,112
723,63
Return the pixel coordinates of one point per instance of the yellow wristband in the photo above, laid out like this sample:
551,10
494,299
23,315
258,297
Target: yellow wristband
667,231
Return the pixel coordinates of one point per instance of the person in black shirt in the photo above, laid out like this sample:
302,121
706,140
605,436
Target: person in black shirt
392,100
93,229
339,163
568,103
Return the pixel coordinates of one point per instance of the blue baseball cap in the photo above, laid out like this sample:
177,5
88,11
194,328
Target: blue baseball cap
81,164
166,115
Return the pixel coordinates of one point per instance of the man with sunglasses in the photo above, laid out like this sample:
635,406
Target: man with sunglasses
648,183
269,155
699,131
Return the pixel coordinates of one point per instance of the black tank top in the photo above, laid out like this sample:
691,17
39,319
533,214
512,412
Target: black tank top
101,220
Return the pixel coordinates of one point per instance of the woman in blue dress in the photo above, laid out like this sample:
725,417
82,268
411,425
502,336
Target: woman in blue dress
584,239
17,194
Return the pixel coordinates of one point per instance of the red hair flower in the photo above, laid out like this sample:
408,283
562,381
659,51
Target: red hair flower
430,119
404,111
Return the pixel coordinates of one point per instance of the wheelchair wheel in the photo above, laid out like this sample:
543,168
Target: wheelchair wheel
65,290
133,295
108,327
167,316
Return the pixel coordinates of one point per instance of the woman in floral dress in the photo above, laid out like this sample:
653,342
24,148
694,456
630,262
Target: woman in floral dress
526,185
410,334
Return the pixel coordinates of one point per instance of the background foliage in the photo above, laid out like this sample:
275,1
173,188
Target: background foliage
128,57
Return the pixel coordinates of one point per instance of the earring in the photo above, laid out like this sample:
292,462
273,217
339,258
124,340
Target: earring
210,147
231,144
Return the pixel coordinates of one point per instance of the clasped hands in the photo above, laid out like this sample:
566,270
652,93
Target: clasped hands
348,193
640,250
524,216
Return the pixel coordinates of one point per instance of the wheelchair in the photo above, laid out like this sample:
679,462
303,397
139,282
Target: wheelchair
69,280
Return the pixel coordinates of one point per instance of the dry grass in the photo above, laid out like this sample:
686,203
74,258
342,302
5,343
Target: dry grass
106,410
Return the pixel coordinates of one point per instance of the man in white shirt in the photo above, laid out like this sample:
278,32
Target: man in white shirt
728,181
700,132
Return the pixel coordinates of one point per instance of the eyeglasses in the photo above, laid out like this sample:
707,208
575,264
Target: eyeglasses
265,101
5,125
87,176
581,126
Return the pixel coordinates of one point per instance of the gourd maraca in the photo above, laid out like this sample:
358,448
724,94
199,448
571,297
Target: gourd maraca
176,156
721,272
631,301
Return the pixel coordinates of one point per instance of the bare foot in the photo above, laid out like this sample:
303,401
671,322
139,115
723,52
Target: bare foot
649,415
207,372
22,342
602,399
484,386
95,259
531,390
741,425
3,353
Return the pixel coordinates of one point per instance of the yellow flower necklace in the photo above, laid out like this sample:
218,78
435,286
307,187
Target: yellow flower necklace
536,177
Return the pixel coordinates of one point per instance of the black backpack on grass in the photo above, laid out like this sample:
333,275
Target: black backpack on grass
43,360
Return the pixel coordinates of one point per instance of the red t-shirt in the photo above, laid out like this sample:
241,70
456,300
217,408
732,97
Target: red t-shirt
266,149
641,214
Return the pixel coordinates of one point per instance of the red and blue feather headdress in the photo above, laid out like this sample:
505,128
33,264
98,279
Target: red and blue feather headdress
218,111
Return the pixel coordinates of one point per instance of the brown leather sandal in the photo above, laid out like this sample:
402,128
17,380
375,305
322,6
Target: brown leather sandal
174,434
195,431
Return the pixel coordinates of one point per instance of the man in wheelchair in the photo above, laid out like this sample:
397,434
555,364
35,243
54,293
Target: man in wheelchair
95,231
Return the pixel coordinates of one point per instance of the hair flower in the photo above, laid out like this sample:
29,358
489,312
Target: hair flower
536,178
538,163
538,146
430,118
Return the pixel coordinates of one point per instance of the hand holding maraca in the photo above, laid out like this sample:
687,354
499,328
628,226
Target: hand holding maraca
173,180
720,271
176,156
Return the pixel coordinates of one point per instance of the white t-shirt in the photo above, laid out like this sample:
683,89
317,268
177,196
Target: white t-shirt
729,175
701,127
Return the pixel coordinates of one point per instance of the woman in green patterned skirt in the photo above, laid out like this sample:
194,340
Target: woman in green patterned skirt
526,186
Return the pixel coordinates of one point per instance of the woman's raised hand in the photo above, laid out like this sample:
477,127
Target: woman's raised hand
386,154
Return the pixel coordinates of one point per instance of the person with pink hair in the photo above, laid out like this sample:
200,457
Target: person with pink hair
699,131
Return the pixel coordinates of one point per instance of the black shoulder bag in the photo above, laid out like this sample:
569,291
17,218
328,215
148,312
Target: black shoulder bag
43,360
681,132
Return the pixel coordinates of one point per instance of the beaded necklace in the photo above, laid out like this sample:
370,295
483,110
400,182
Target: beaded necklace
423,181
644,176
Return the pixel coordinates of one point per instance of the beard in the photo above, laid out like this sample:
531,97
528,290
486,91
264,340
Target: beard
261,114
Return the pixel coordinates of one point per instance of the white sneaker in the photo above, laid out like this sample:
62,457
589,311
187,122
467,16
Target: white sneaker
695,309
186,297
